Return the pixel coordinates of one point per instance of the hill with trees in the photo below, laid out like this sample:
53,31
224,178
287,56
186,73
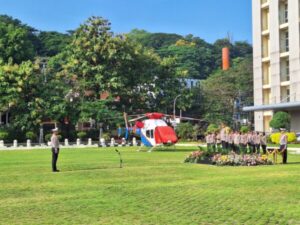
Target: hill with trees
141,71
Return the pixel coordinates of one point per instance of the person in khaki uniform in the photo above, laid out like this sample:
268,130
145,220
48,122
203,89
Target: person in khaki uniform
263,142
244,142
283,145
54,149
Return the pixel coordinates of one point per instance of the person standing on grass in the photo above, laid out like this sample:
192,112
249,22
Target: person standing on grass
283,145
244,142
263,142
249,140
207,140
54,149
236,142
218,141
223,137
213,141
257,142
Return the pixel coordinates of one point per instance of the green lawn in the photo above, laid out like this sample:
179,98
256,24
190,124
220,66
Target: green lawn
152,188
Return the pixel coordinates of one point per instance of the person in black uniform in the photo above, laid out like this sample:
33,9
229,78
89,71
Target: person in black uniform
54,149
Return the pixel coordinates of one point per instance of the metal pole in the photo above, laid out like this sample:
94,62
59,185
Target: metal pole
174,106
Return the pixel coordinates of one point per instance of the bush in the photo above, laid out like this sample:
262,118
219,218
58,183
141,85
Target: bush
30,135
81,134
280,120
3,135
212,128
185,131
275,137
244,129
106,136
48,137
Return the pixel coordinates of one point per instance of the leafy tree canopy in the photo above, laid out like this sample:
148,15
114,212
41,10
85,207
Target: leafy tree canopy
281,120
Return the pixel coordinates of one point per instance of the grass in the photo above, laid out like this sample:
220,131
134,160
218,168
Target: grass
152,188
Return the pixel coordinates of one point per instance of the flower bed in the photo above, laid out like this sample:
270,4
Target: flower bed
199,157
231,159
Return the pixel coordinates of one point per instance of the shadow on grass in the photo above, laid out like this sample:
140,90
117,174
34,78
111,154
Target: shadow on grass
292,163
90,169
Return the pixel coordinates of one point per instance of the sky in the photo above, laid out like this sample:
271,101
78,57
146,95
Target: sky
207,19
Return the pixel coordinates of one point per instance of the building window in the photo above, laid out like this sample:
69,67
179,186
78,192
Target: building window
285,94
265,19
284,41
287,41
283,12
287,69
284,70
265,46
286,13
266,73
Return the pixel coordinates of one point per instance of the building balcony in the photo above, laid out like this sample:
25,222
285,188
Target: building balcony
284,54
266,59
265,4
265,32
285,83
283,26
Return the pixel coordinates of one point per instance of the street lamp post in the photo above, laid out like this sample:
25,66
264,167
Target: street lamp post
174,106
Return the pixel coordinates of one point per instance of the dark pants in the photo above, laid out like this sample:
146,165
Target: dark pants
54,158
236,148
264,148
250,148
257,146
223,145
283,149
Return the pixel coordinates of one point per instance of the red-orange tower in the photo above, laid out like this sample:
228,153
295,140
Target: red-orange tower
225,58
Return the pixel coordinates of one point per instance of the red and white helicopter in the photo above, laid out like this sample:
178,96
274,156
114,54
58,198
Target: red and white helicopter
154,130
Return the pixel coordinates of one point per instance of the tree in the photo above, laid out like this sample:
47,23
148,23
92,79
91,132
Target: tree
281,120
52,43
223,88
16,41
97,61
20,94
153,40
185,130
212,128
192,60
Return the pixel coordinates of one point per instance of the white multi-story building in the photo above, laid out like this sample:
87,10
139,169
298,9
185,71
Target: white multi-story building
276,61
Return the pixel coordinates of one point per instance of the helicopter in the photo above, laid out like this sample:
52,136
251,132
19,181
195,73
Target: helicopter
155,129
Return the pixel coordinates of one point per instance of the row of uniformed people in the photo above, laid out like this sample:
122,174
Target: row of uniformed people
236,141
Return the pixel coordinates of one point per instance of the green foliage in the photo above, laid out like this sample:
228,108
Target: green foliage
52,43
223,88
184,131
15,41
244,129
30,135
20,92
81,134
48,137
212,128
3,135
275,137
280,120
106,136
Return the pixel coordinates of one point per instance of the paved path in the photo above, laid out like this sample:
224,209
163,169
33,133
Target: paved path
291,150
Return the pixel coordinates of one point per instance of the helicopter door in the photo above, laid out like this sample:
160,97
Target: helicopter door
150,134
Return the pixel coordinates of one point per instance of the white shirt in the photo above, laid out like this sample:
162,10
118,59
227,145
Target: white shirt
54,141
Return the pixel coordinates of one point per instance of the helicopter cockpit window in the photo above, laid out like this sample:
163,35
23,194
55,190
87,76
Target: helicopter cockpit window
149,133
